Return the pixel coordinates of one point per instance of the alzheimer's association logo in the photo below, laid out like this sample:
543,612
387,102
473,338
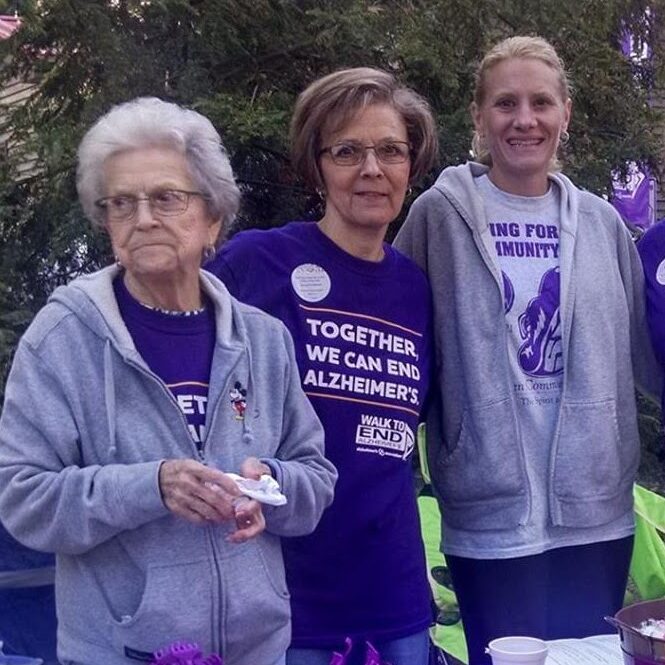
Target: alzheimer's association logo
384,436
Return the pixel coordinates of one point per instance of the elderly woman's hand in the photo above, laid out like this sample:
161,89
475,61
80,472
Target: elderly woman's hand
250,521
254,468
196,492
202,495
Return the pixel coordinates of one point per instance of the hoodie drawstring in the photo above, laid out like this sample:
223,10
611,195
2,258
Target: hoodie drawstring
247,436
109,399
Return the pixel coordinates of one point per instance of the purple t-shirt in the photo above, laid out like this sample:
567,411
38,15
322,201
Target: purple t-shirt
652,251
178,349
361,333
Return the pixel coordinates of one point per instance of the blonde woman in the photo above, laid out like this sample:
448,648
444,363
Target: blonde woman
540,337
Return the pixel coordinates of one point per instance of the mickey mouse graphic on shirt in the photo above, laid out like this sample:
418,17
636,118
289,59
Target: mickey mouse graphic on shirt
238,401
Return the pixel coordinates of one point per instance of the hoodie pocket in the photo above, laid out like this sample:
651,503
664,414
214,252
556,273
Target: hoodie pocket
591,461
486,462
177,604
257,600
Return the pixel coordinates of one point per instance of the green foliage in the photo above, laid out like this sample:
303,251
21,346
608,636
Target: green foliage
242,63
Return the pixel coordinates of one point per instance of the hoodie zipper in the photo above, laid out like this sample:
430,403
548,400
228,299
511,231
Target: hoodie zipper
218,640
221,606
217,632
169,395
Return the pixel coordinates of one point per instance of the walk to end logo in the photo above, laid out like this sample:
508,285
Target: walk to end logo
384,436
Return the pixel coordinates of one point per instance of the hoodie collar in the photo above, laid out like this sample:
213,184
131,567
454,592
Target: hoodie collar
457,185
92,299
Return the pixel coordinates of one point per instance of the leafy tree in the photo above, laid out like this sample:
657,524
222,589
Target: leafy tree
242,63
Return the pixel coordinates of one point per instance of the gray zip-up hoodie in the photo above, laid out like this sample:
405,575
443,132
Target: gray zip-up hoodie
475,452
84,428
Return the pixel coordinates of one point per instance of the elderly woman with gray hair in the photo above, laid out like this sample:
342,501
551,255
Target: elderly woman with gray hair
135,392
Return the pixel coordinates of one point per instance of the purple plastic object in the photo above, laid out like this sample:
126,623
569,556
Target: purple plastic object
212,659
372,656
341,658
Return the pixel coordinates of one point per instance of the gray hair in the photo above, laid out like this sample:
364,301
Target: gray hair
146,122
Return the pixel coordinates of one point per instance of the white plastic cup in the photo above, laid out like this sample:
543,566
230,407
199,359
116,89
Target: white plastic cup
517,651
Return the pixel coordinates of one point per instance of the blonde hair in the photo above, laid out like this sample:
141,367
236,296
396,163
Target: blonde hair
331,101
534,48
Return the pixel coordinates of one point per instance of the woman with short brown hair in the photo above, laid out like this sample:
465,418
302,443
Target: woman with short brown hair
359,314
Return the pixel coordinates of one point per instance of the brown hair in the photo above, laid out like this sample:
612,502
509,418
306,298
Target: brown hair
535,48
331,101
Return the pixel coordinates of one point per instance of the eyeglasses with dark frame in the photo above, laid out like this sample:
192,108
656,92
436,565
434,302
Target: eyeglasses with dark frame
352,153
165,202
